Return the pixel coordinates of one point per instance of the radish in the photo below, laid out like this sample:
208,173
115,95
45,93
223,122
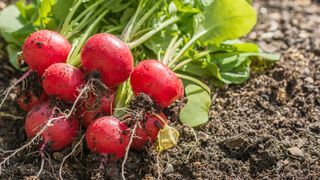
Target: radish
30,92
62,81
27,100
109,56
88,110
88,116
108,136
181,90
158,81
107,103
147,131
91,110
40,50
43,48
59,135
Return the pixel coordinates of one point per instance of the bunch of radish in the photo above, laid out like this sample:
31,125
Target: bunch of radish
109,61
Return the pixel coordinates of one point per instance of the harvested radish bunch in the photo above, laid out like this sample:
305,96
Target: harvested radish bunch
27,100
43,48
156,80
92,108
60,134
108,136
108,55
62,81
147,131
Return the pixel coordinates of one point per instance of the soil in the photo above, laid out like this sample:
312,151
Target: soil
267,128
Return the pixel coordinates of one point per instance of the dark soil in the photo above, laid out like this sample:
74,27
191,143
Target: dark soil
266,128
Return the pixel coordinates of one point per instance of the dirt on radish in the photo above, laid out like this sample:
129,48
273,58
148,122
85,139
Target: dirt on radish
267,128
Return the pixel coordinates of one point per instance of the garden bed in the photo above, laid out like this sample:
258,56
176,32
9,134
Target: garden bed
267,127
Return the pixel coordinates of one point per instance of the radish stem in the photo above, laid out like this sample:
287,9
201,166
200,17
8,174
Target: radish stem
153,32
196,81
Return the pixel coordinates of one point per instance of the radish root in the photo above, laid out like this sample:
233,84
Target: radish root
158,166
32,141
133,132
41,167
67,156
83,92
8,90
195,144
5,115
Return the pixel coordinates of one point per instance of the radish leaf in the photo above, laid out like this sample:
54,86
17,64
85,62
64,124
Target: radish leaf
226,20
45,13
196,111
61,8
10,23
238,74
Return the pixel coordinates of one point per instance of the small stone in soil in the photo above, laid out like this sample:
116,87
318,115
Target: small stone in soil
234,142
295,151
285,162
57,156
300,142
169,169
197,165
309,80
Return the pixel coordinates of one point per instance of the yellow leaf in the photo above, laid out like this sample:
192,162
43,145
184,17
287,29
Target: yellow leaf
167,138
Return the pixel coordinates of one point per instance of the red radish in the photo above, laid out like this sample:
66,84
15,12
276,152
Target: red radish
59,135
43,48
62,81
27,100
109,56
30,92
108,136
107,104
181,90
91,110
147,131
88,110
88,117
156,80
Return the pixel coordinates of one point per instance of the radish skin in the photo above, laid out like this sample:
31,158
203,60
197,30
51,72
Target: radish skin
59,135
158,81
62,81
147,131
108,55
108,136
88,112
107,103
43,48
28,100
